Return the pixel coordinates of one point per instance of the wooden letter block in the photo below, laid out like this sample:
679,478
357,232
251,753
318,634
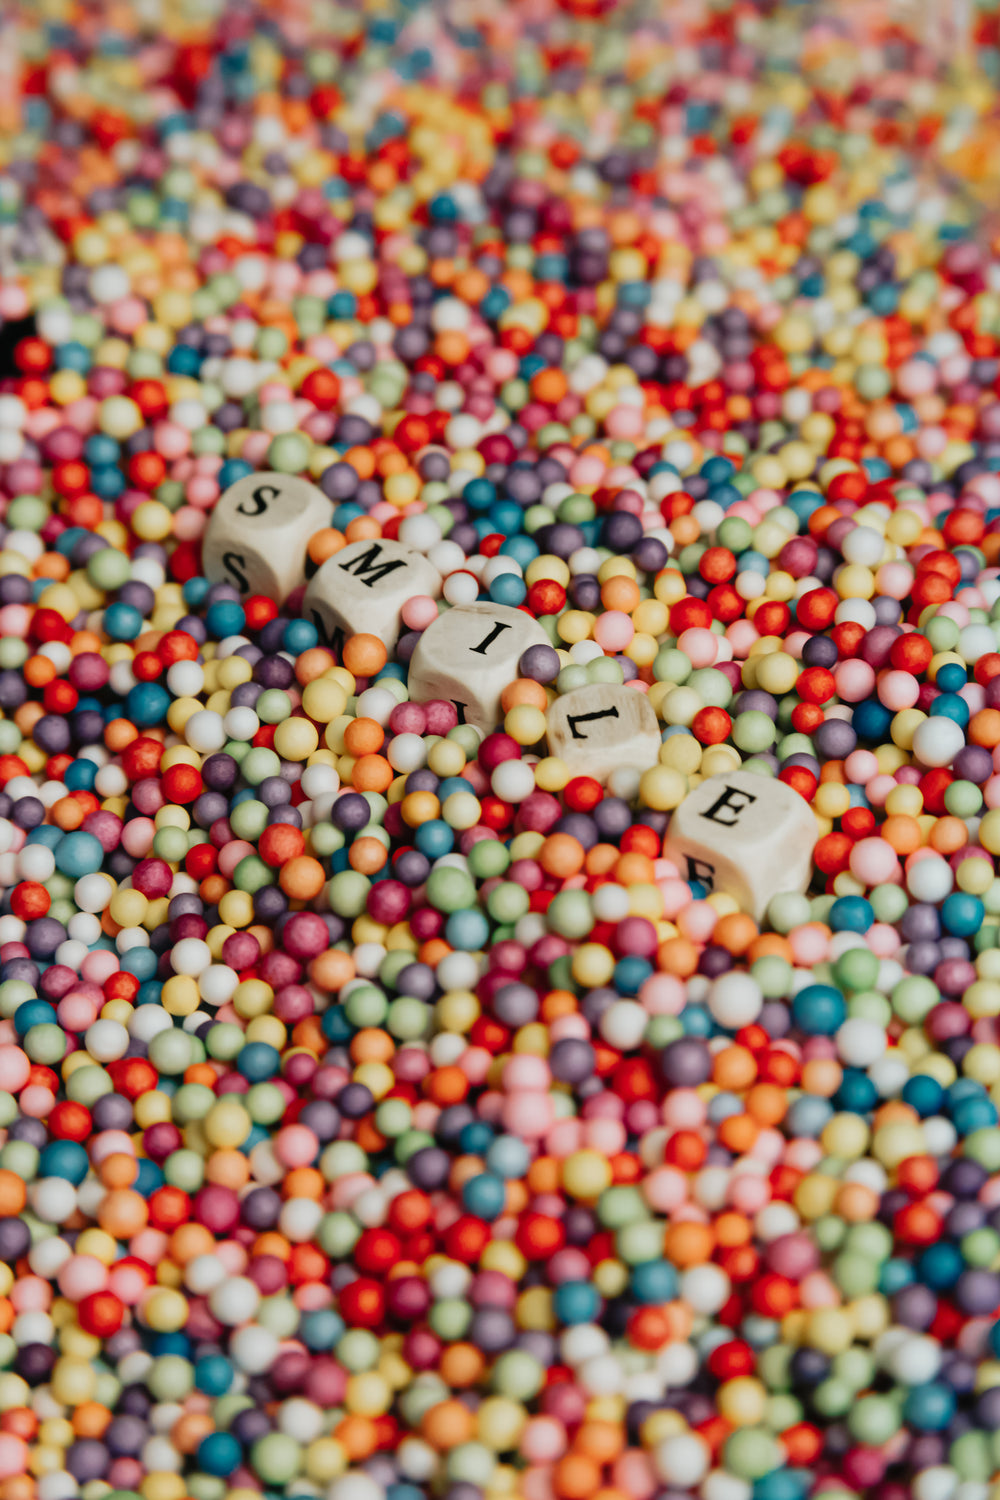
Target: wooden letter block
469,655
362,589
748,835
257,535
598,729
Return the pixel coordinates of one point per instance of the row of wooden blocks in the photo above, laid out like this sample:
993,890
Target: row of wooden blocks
256,540
744,834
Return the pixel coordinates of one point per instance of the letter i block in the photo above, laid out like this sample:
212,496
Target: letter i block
750,836
257,535
599,729
362,589
469,655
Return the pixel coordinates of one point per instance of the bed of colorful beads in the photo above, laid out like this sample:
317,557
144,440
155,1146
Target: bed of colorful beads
382,1113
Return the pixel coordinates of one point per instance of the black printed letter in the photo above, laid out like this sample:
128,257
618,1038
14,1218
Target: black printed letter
333,638
234,563
726,801
480,650
574,719
368,568
261,498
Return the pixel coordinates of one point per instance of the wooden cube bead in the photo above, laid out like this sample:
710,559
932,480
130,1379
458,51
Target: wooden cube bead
750,836
362,589
257,535
469,655
595,730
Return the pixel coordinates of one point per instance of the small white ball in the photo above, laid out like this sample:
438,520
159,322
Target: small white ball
84,928
975,641
147,1021
678,1364
610,903
299,1219
499,567
240,723
376,703
217,984
937,1483
512,781
53,1199
234,1300
930,879
705,1288
856,612
583,652
457,971
371,1208
861,1042
355,1485
106,1041
421,532
601,1376
318,780
940,1136
205,731
937,741
110,781
446,557
915,1361
623,1024
463,431
863,545
185,679
582,1342
735,1000
407,752
72,954
33,1328
721,1485
93,893
204,1273
682,1460
191,957
299,1419
624,783
36,862
49,1256
461,588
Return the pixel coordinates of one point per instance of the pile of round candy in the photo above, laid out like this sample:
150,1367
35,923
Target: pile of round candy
382,1114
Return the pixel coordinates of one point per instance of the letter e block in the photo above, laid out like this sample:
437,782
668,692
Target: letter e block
747,835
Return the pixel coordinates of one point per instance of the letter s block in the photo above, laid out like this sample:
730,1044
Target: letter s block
257,535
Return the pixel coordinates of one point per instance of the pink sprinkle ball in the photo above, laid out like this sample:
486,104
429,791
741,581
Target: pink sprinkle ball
442,717
15,1068
614,630
419,612
296,1146
13,1455
854,681
408,718
699,646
